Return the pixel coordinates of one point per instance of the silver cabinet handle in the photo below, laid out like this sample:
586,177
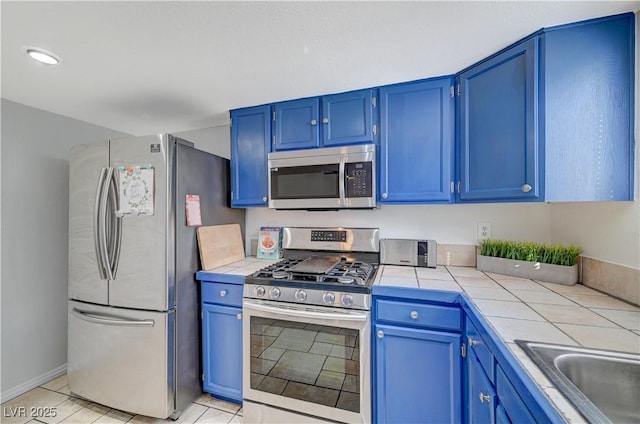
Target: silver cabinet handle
526,188
314,122
223,293
484,398
458,186
414,314
264,199
239,316
473,342
384,195
380,334
325,120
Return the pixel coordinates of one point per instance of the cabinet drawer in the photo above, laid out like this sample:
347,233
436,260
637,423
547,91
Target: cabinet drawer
432,316
222,294
482,351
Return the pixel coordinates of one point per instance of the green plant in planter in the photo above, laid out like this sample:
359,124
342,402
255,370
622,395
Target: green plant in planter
556,254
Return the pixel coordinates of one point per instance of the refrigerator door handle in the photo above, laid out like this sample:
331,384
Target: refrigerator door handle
110,320
116,225
97,235
102,229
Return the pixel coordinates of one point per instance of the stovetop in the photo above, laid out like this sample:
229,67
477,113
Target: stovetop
333,267
334,273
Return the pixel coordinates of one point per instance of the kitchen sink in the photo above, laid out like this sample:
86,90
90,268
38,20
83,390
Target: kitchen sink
603,385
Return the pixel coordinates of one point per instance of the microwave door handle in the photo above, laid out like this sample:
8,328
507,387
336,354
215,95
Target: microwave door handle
341,182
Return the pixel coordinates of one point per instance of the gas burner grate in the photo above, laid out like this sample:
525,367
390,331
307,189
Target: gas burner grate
345,272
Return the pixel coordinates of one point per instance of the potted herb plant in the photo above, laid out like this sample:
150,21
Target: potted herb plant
553,263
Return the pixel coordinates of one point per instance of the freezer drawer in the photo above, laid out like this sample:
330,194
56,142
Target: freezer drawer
122,358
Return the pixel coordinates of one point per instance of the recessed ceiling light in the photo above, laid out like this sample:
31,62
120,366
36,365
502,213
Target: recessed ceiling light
42,55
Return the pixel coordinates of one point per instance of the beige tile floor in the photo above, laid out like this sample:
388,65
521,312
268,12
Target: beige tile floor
53,403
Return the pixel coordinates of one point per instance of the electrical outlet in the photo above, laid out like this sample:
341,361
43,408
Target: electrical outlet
484,230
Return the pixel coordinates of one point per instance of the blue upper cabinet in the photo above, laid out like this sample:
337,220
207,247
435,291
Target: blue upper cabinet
416,154
347,118
588,110
296,124
333,120
498,140
551,118
250,145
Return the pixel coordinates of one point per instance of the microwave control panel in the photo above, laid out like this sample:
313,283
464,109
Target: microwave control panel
359,179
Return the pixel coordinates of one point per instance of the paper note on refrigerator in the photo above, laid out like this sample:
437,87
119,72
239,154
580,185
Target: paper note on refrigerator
194,217
136,189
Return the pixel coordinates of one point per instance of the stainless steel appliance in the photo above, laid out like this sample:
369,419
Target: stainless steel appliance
133,309
306,329
329,178
421,253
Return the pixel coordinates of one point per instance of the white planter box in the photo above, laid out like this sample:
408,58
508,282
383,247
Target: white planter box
559,274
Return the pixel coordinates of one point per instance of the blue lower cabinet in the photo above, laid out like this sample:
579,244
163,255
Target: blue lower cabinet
481,395
511,401
417,375
501,416
222,341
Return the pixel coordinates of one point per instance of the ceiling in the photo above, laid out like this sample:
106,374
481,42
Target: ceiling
157,66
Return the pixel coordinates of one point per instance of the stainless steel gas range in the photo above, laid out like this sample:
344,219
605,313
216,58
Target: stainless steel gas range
306,329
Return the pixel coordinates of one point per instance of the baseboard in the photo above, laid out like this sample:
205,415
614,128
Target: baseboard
33,383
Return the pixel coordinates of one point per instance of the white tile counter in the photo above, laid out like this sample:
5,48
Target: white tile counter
235,272
517,308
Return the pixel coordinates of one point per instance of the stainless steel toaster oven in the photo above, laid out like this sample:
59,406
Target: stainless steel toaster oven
422,253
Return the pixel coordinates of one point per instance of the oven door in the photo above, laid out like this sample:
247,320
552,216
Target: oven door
312,360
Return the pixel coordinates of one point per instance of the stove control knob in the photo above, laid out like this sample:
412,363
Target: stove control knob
274,293
347,300
328,298
301,295
259,291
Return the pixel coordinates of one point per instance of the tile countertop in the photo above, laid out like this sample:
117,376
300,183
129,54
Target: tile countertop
518,308
515,308
235,272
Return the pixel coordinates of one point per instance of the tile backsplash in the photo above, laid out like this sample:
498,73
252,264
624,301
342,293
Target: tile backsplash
620,281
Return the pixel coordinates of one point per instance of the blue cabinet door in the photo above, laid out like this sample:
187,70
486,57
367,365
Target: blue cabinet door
481,396
222,351
250,145
347,118
588,110
499,157
416,155
417,376
296,124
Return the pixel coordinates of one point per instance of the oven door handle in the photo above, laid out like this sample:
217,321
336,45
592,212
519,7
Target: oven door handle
302,313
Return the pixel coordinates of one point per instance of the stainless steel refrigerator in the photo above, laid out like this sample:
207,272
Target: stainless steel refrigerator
133,331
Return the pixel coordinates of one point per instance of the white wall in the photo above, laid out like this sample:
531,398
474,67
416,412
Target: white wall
448,224
35,199
213,139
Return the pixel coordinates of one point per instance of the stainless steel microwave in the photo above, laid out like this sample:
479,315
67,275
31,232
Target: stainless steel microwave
328,178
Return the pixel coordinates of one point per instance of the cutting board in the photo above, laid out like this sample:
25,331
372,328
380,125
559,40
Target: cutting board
220,245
